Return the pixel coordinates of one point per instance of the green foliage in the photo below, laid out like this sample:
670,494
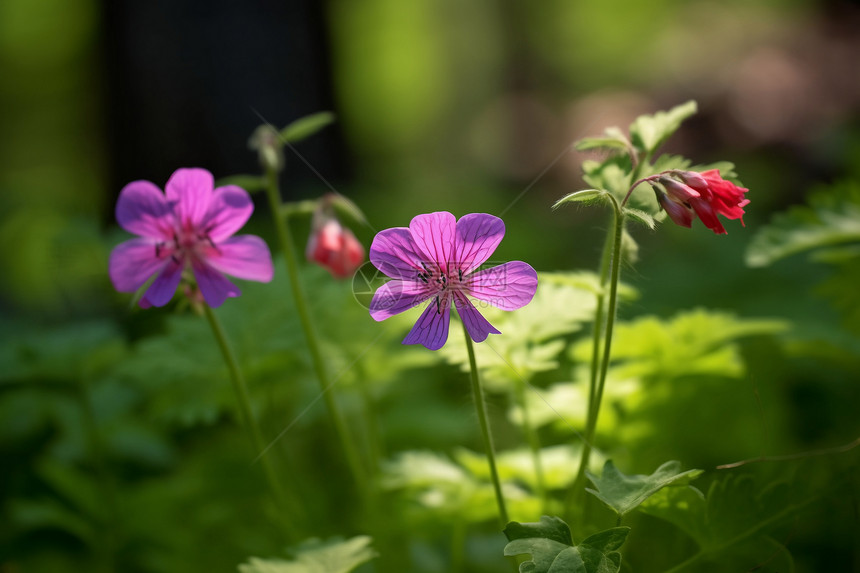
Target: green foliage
551,547
624,493
648,132
831,218
434,487
735,519
533,338
315,556
696,342
828,228
306,126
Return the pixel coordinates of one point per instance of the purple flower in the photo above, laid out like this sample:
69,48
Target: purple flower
436,258
190,226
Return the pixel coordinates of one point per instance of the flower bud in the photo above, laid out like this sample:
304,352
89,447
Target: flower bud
267,143
680,214
334,247
678,191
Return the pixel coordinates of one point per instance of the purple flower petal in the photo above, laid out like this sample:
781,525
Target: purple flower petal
395,254
477,326
213,285
394,297
191,189
434,234
431,330
509,286
246,257
229,209
143,209
478,235
132,263
164,286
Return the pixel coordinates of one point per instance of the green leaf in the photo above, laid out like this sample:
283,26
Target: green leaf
612,139
315,556
831,218
583,196
551,548
304,127
693,343
648,132
250,183
624,493
640,216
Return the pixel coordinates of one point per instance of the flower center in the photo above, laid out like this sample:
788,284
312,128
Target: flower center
188,244
441,284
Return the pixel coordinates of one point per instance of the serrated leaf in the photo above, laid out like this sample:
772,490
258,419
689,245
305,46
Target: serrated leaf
315,556
648,132
250,183
624,493
831,218
551,548
306,126
583,196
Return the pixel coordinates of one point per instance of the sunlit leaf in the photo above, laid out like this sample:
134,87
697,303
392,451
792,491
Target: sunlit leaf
624,493
550,546
314,556
696,342
306,126
648,132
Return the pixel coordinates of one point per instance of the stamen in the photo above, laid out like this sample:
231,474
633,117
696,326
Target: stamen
423,277
460,274
438,306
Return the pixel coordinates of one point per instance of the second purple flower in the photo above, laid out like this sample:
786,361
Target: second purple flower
436,259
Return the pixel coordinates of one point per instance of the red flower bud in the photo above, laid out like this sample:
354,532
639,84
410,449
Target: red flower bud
334,247
707,194
679,213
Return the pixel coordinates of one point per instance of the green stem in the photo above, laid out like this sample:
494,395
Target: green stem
285,239
248,419
481,409
534,444
599,365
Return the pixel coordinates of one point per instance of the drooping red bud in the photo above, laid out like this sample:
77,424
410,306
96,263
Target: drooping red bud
334,247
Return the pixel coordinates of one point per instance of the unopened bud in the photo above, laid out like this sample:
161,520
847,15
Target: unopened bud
266,141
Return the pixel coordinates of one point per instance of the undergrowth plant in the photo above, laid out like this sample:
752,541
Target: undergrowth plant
596,439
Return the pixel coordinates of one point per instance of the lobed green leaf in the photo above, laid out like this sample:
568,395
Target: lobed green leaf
648,132
624,493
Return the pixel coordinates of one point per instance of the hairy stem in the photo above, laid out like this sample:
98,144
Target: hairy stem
611,271
285,239
249,421
481,409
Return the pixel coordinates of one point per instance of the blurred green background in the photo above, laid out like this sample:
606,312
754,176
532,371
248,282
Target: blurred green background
441,105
